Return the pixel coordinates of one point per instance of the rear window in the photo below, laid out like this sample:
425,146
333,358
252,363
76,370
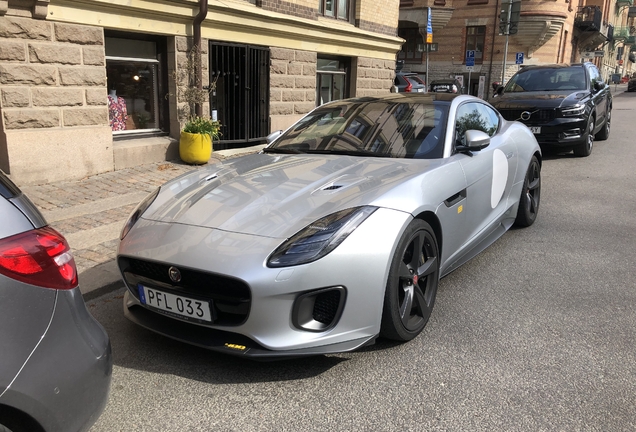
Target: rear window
8,189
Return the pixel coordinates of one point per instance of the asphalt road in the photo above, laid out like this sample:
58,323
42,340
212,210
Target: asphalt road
536,333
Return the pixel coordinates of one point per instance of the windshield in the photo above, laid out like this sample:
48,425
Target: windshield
548,79
369,128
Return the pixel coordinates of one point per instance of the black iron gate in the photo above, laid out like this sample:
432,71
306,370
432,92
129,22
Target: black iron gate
239,80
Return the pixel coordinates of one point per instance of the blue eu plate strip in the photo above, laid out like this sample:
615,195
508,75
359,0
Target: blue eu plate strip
142,294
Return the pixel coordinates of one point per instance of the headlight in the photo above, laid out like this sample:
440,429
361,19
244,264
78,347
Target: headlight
137,212
572,111
318,239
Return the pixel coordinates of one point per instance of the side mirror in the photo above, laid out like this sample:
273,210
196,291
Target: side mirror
271,137
475,140
499,90
599,85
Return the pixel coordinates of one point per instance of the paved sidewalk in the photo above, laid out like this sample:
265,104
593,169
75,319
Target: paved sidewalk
91,212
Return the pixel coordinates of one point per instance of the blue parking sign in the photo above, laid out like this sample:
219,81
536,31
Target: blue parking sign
519,59
470,58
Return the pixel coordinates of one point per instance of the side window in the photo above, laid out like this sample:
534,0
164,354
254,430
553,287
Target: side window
474,115
594,76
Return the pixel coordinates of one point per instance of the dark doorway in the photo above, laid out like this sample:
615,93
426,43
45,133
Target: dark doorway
239,83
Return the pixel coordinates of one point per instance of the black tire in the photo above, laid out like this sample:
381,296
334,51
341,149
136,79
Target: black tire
530,195
412,283
604,133
585,148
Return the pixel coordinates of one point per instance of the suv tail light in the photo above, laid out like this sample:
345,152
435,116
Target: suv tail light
39,257
409,87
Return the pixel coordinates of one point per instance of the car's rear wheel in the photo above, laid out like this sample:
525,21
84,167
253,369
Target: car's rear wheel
530,195
603,134
585,149
412,283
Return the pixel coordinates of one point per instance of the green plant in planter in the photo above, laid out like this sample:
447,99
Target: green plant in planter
195,144
203,125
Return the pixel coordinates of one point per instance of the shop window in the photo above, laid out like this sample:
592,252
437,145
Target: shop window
134,73
412,40
475,37
332,80
338,9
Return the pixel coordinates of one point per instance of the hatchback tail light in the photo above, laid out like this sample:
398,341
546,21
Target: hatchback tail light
409,87
39,257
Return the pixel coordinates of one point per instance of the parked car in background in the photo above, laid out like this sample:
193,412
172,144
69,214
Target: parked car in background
566,106
331,236
450,85
631,84
409,82
55,358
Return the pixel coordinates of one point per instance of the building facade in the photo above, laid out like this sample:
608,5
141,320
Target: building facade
90,86
548,31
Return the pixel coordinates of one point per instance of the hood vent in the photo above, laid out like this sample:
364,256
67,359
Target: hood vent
332,187
339,184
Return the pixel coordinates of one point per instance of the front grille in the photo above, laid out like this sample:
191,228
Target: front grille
231,298
326,306
536,117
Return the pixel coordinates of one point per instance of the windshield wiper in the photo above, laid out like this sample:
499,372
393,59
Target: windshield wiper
282,150
349,153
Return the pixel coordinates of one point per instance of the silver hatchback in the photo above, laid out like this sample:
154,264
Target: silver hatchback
55,358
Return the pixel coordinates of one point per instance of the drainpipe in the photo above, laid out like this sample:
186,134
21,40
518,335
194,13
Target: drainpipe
492,47
196,24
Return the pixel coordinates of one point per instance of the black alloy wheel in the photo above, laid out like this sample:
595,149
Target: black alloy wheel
412,284
585,149
603,134
530,195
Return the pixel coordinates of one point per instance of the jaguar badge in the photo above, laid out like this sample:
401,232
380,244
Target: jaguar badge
175,274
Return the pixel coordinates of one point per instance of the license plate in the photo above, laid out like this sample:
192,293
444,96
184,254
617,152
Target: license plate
420,90
179,305
535,129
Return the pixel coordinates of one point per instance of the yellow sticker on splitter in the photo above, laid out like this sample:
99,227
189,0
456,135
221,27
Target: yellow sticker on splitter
460,209
235,346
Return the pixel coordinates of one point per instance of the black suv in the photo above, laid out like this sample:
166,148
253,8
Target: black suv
566,106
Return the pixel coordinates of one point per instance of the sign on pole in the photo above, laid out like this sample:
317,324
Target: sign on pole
470,58
519,58
429,28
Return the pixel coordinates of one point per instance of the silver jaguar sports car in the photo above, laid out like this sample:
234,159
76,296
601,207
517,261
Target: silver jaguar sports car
336,233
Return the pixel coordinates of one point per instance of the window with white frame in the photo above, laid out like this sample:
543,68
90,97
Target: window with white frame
331,79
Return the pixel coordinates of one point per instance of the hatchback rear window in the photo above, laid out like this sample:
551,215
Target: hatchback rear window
7,188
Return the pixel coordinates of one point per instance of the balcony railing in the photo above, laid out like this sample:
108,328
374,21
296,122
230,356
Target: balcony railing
624,33
588,18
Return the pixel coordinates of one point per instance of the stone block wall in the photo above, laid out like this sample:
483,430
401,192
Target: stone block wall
373,76
52,81
181,71
292,85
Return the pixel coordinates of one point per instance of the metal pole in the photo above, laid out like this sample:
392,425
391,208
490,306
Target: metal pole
507,33
428,46
469,72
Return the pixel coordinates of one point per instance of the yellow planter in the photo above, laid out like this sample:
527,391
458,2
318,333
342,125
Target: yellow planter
195,148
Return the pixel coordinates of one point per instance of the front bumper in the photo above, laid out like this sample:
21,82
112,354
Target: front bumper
269,328
560,132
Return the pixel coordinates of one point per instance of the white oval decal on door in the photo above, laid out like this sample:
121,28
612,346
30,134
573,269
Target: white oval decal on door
499,177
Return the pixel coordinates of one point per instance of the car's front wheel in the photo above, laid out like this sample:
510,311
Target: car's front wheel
530,195
585,148
412,283
603,134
